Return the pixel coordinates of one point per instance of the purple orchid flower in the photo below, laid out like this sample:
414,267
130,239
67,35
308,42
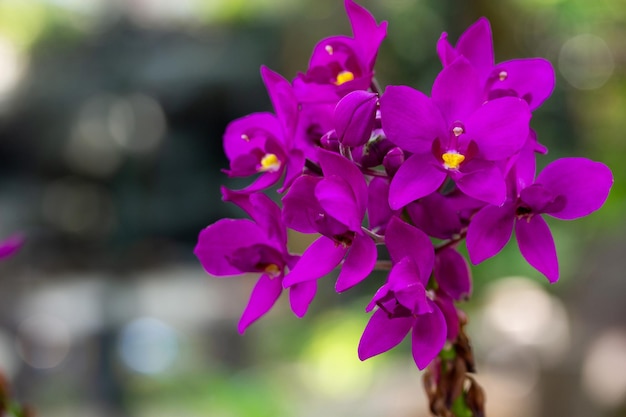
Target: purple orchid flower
454,134
334,206
567,189
340,64
531,79
403,303
263,143
236,246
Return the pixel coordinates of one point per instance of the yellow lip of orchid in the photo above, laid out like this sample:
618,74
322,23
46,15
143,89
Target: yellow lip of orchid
344,77
270,163
452,159
272,270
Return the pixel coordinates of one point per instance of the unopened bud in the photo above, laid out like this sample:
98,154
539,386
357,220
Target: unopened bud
354,117
393,160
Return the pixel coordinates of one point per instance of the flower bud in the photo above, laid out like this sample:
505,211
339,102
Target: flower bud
330,142
355,116
393,160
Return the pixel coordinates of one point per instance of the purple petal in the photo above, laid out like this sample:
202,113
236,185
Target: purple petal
283,99
585,184
457,91
367,34
217,243
450,313
436,215
429,336
488,232
248,132
537,246
318,260
300,207
263,297
476,45
499,127
334,164
359,263
337,200
407,286
410,119
382,334
354,117
531,79
406,241
261,209
485,183
417,177
293,169
446,52
378,210
300,297
453,274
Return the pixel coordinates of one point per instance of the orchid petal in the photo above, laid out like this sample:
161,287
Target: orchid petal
354,117
367,33
446,52
337,200
537,246
532,79
283,99
382,333
333,164
378,210
484,183
300,297
410,119
476,45
453,274
416,178
488,232
450,313
457,91
359,263
219,241
300,207
499,127
262,299
404,240
248,132
317,260
429,336
585,184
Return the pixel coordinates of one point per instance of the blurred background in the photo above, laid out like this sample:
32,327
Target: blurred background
111,116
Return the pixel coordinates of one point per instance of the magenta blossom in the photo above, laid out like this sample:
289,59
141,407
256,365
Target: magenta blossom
454,134
531,79
404,304
333,206
567,189
263,143
340,64
236,246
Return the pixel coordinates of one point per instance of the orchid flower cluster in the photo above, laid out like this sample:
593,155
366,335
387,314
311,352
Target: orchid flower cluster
416,173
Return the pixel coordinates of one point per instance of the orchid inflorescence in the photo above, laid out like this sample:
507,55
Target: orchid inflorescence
416,173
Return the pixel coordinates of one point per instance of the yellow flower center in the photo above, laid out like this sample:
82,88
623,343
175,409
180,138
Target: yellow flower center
269,162
452,160
344,77
272,269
